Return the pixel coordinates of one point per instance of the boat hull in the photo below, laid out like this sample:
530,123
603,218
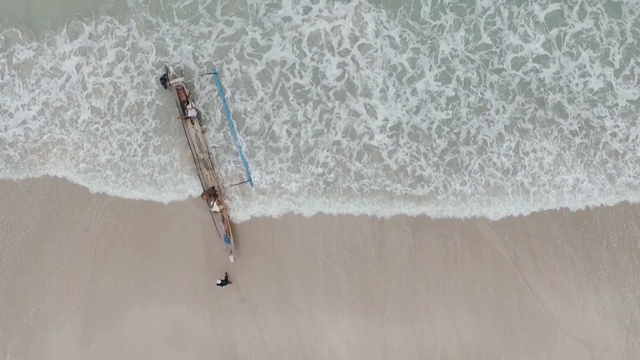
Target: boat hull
213,193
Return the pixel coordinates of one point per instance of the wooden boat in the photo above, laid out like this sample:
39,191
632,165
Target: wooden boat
212,193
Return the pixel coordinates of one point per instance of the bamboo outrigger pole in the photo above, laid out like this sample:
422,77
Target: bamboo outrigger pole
233,128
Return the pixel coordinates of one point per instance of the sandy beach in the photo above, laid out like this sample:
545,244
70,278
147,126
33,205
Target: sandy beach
85,276
442,108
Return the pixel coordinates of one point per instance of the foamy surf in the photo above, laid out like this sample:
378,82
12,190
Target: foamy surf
490,110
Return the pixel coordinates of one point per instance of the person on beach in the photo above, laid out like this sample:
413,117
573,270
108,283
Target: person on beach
223,282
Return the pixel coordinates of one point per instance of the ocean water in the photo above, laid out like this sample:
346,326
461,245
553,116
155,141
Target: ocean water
441,108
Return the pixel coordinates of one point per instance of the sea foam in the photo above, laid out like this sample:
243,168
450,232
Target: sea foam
491,109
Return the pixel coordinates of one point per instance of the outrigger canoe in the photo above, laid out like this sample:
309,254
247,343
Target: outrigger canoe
212,193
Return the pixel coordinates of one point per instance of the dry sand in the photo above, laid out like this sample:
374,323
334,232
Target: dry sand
87,276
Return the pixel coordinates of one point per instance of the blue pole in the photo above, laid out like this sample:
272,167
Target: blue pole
233,128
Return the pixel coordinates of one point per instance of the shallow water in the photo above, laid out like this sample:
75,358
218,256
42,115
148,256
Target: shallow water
449,109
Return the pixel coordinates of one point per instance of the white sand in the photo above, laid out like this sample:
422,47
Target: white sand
94,277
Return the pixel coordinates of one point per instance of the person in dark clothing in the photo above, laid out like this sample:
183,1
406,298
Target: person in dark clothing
223,282
164,80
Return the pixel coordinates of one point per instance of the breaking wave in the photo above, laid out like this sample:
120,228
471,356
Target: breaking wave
490,109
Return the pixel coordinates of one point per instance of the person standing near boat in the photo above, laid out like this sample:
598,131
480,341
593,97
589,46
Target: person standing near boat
210,196
224,281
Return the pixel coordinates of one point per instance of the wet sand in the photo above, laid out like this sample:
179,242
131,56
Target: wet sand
85,276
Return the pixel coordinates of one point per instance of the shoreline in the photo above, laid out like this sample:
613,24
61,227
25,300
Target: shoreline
308,214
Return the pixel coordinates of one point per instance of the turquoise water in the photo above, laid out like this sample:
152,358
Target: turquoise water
447,109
